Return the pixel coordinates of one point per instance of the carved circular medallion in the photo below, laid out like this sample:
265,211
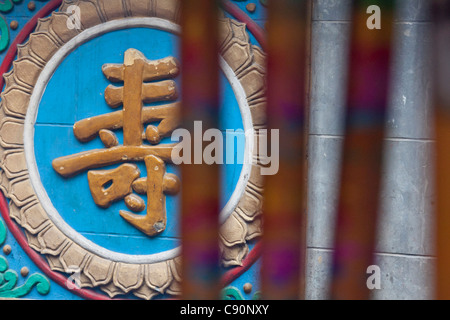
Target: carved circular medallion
55,38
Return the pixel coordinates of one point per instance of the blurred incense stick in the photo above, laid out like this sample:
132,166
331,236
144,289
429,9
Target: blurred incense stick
367,97
441,13
200,194
283,257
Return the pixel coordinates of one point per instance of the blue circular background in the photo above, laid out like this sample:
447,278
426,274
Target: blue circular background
76,92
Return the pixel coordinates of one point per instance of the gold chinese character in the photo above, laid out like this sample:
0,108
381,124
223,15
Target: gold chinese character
107,186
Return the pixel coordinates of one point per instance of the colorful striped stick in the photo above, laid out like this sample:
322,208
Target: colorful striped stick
441,32
200,194
283,259
362,153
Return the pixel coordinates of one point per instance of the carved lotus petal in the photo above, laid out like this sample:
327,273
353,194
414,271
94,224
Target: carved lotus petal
233,231
99,270
158,276
128,276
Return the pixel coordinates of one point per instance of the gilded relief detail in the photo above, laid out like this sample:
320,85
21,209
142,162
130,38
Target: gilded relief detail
111,185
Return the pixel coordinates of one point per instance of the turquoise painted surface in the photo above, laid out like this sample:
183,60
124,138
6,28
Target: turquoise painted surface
61,131
75,92
17,259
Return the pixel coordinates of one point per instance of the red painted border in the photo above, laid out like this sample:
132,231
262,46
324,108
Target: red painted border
18,234
248,261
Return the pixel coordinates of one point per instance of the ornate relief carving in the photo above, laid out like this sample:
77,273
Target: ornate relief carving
114,277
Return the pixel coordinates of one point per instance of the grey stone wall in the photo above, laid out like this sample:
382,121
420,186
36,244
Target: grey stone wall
405,241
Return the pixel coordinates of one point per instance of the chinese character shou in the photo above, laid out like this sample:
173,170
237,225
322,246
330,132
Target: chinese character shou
144,81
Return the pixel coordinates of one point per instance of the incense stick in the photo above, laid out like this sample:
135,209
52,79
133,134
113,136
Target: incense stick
283,237
200,194
362,153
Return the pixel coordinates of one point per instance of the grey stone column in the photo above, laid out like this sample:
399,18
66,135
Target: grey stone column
404,246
